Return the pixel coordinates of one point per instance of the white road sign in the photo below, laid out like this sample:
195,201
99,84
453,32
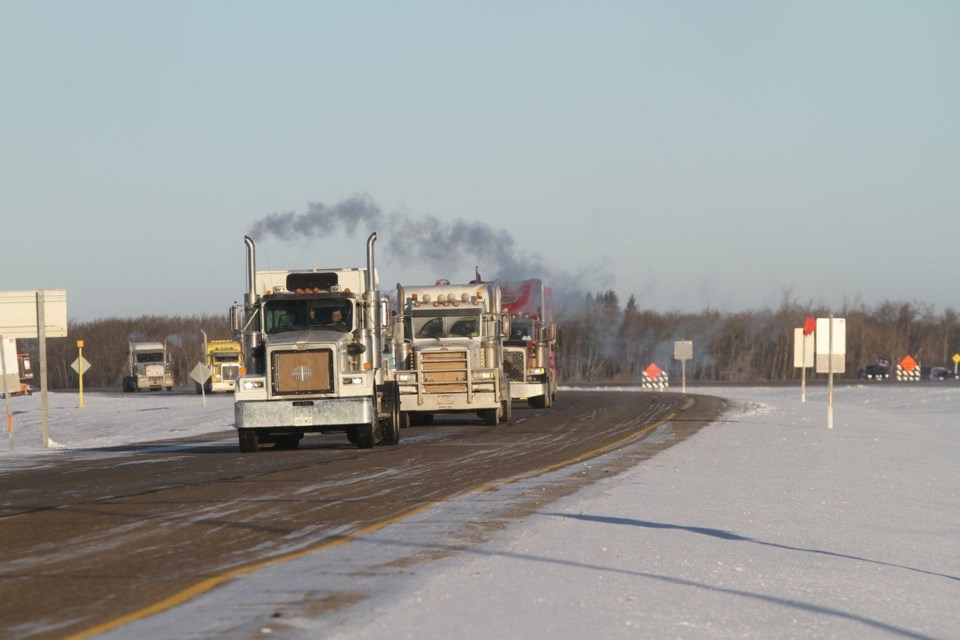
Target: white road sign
75,365
200,373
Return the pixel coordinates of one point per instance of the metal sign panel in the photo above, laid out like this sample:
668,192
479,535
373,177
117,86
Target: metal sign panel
75,365
831,338
683,350
18,313
802,349
201,373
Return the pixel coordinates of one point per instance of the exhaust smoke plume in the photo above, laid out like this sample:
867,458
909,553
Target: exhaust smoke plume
448,247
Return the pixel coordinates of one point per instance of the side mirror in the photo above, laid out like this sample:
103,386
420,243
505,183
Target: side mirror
505,323
551,333
356,348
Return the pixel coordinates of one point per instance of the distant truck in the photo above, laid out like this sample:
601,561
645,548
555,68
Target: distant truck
530,349
224,359
448,352
148,367
312,341
19,372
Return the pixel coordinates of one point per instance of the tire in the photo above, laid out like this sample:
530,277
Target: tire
199,388
404,419
507,406
249,443
365,435
390,426
538,402
491,416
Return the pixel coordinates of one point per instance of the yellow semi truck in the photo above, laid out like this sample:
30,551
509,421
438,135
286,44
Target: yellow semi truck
224,359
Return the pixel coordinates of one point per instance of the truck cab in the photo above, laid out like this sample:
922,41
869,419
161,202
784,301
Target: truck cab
448,352
531,346
312,349
148,367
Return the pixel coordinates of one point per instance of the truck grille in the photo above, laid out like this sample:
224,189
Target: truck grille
444,371
229,372
513,364
302,372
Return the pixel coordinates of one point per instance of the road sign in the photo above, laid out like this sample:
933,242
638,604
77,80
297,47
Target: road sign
809,326
683,350
200,373
802,349
18,310
908,364
831,345
75,365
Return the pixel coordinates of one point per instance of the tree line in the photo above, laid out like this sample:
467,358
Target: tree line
600,341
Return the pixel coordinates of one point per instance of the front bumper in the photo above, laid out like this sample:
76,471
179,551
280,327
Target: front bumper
303,415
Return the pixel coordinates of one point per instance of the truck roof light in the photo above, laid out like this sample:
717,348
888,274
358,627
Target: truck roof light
413,297
479,295
426,297
464,296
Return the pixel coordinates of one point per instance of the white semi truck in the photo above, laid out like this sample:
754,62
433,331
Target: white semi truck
448,352
312,343
148,367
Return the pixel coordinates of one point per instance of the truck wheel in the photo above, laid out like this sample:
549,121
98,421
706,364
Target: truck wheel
538,402
491,416
507,406
390,426
249,443
404,419
365,435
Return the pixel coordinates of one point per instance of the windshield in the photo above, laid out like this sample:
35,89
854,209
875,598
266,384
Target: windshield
149,357
298,315
426,327
521,330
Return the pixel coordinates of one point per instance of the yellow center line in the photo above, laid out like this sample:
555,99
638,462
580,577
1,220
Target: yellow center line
204,586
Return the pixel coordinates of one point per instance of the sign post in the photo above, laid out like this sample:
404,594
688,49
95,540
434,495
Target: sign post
36,314
6,393
831,354
80,365
683,351
956,361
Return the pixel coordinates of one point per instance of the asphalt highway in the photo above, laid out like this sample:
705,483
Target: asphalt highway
98,537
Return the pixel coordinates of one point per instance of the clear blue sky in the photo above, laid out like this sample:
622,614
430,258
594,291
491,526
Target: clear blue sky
692,154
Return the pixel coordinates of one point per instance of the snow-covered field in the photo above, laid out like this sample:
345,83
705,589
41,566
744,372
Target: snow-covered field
766,524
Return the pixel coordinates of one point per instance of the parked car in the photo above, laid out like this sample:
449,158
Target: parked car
941,373
874,372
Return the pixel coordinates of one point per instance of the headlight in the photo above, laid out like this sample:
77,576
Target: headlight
536,371
353,380
253,384
405,377
484,375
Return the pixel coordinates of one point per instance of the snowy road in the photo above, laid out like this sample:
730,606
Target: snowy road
134,524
